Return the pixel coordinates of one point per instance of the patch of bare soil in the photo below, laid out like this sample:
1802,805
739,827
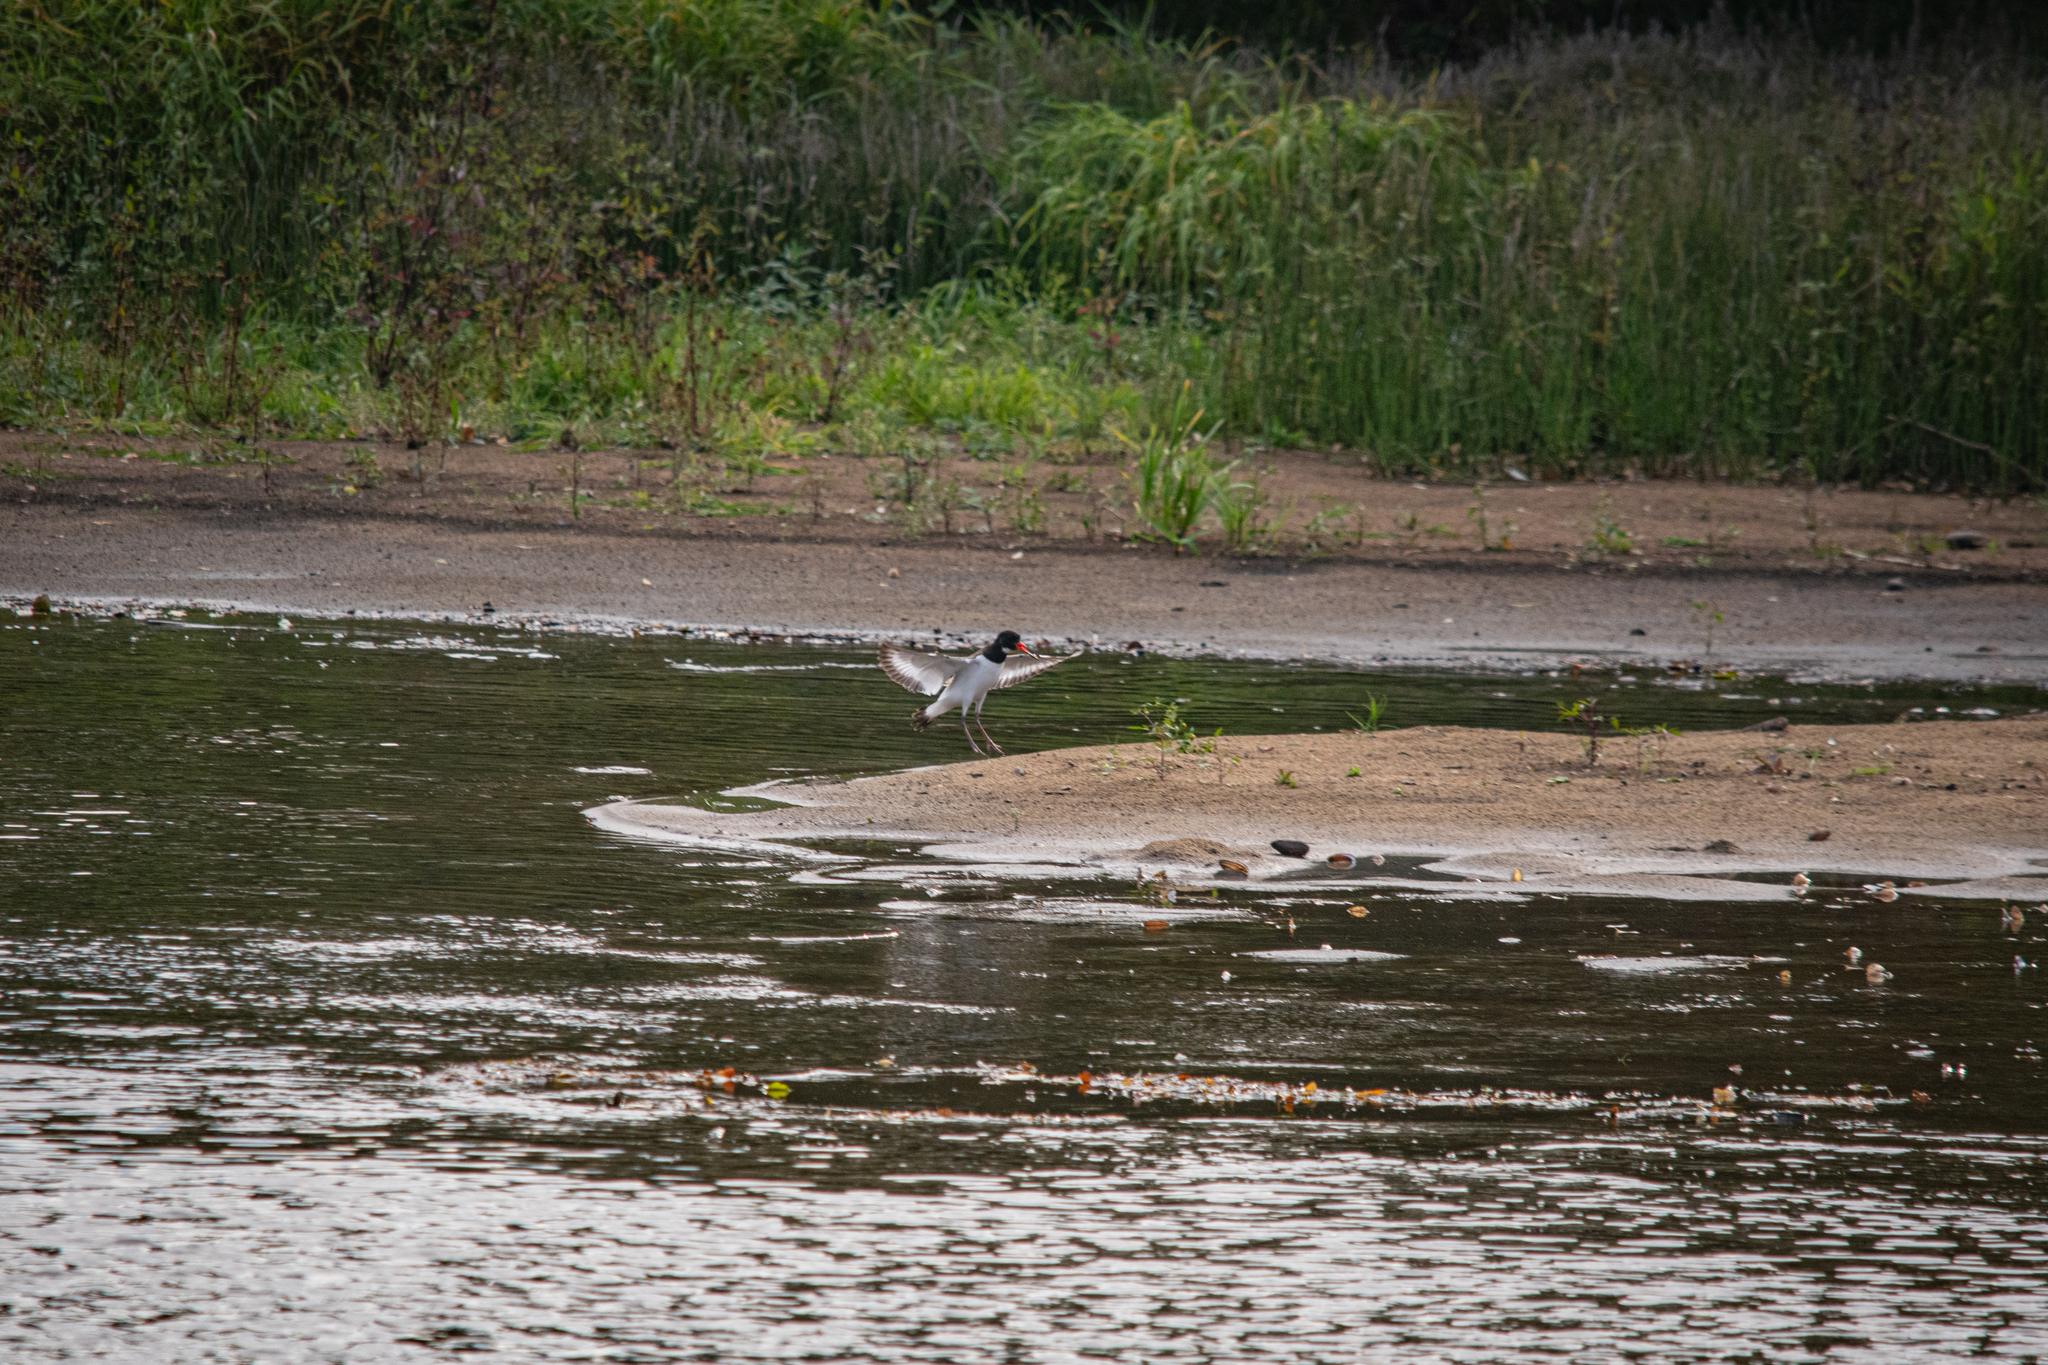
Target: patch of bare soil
1318,508
1907,801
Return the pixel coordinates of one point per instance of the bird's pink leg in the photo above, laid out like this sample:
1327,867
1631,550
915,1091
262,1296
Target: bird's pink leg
984,728
967,732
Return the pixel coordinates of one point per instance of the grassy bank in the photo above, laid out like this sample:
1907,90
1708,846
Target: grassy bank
739,232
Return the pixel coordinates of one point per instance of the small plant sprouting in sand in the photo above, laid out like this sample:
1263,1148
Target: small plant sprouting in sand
1161,723
1609,540
1241,509
1285,779
1477,515
363,470
1375,707
1174,481
1651,741
1708,616
1583,713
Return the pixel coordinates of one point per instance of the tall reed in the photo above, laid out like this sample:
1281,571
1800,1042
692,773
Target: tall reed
1709,253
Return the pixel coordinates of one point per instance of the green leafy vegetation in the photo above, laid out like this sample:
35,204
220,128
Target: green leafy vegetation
1162,723
1375,709
747,231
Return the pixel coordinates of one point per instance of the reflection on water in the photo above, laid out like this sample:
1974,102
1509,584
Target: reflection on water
281,906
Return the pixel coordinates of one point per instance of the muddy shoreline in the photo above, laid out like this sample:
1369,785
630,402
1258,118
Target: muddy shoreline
1478,613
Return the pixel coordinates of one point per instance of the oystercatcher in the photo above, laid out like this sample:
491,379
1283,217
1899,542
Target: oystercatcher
964,683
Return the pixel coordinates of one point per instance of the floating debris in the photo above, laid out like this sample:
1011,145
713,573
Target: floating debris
1637,966
1325,956
1341,861
1185,1087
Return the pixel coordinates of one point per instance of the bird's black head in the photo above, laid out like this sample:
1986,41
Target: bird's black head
1006,643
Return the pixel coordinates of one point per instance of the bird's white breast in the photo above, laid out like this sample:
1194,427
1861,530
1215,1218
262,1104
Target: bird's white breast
979,676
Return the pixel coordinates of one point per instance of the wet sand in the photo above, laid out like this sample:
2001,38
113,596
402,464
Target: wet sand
1922,801
1478,612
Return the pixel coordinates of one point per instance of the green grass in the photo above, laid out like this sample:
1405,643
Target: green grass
1701,254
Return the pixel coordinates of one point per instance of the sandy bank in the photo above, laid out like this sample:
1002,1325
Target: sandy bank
1477,613
1941,800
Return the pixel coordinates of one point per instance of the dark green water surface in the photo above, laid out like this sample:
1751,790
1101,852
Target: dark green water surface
332,1030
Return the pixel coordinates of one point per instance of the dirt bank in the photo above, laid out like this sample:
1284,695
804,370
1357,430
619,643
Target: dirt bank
1919,801
1317,505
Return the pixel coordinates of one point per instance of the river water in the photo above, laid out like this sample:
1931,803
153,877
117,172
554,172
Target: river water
332,1030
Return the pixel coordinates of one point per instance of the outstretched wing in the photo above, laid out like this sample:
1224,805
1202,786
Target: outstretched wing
1018,667
926,674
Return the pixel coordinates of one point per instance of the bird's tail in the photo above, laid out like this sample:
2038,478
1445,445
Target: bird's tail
919,720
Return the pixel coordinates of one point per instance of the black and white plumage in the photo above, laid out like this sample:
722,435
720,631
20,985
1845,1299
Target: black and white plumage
963,684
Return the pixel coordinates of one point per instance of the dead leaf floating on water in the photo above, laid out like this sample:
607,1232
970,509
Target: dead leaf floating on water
1227,868
1855,955
1800,881
1358,912
1341,861
1379,860
1875,974
1784,978
1518,875
1155,926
